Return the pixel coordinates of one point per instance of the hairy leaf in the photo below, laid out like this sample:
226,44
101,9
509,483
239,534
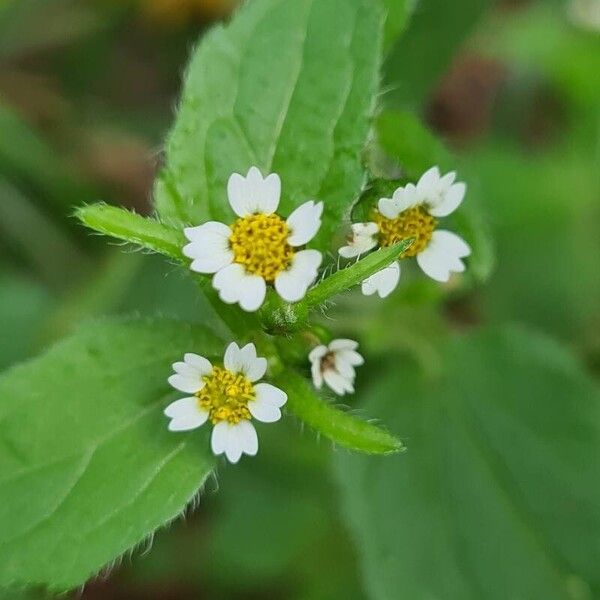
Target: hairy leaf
498,495
288,86
88,468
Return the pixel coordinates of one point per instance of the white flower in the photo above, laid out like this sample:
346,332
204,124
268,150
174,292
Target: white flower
411,213
228,396
260,248
362,240
334,364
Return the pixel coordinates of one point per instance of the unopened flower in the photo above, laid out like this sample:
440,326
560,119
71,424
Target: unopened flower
412,212
362,240
227,396
334,364
260,247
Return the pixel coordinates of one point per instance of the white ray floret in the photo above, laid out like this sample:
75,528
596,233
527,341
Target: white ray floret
228,396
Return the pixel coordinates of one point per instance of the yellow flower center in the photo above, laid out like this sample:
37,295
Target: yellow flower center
259,242
225,396
414,223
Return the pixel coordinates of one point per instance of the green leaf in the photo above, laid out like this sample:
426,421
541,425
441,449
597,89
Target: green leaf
498,495
340,427
132,228
88,468
422,54
288,86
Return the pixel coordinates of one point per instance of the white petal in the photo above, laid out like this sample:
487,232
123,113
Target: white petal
233,359
384,282
253,367
364,239
253,193
201,364
264,411
388,208
317,375
265,392
209,233
450,202
209,247
235,285
212,264
252,294
339,384
428,183
316,354
403,199
292,284
344,368
248,438
343,344
233,443
442,255
218,440
186,383
453,244
304,223
185,414
352,357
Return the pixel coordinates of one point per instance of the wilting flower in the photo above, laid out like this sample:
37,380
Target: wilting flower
227,396
412,212
334,364
260,247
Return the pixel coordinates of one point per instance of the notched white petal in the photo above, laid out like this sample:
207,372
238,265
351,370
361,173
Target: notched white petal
382,283
293,283
253,193
304,223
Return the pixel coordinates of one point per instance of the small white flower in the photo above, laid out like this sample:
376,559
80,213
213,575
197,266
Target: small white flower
411,213
362,240
334,364
228,396
260,248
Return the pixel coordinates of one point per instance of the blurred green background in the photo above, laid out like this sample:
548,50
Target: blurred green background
87,90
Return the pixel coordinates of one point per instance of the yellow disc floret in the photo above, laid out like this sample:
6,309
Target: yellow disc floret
259,242
414,223
225,396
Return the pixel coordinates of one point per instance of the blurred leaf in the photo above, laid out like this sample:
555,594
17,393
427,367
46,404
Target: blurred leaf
23,308
40,242
88,467
34,25
539,37
422,54
26,159
277,90
531,200
498,495
340,427
397,15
